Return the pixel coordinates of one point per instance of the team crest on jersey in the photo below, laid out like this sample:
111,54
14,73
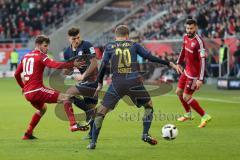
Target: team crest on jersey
92,50
80,53
193,44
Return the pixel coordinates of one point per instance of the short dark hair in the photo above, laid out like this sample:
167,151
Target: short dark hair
191,21
121,31
40,39
73,31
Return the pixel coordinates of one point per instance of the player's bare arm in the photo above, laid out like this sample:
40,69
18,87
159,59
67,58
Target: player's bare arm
89,71
176,67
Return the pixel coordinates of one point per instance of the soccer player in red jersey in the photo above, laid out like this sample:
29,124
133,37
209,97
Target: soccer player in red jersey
32,67
194,55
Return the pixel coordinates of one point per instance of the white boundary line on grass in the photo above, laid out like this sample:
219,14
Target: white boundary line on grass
208,99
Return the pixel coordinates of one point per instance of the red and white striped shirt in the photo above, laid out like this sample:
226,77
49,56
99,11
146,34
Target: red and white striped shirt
194,55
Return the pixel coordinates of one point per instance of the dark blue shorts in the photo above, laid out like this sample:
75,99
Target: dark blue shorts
87,90
132,88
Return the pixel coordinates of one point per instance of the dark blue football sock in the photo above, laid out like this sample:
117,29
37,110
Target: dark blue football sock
147,119
97,127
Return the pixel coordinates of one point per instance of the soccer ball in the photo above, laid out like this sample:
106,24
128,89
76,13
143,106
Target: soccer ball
169,132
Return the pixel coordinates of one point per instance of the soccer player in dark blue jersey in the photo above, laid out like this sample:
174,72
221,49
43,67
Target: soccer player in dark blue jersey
86,79
126,80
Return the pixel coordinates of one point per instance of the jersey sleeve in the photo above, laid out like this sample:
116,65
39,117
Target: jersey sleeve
105,61
202,69
55,64
18,75
90,50
202,57
201,50
106,55
141,51
182,54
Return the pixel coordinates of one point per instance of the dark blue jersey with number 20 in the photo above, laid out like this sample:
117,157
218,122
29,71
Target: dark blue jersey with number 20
123,59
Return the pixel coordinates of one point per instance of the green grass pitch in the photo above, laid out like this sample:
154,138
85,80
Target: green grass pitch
121,131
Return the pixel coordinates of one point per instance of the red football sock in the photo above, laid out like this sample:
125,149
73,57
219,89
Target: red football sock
184,104
35,119
69,111
195,105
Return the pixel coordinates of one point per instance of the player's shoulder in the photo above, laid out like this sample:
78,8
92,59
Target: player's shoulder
34,54
67,50
197,36
135,44
87,44
138,46
124,43
37,55
129,42
110,45
199,39
185,36
89,47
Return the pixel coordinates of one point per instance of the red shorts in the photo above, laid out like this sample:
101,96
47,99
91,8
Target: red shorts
40,96
188,85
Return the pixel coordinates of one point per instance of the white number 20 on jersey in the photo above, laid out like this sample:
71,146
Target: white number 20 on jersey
28,64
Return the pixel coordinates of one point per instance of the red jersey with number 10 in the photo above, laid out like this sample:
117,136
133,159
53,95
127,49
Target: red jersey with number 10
193,54
32,66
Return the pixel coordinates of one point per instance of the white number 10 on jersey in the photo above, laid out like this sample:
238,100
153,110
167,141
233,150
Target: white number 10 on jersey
28,64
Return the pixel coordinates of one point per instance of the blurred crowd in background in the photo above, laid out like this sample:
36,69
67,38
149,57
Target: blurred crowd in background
22,19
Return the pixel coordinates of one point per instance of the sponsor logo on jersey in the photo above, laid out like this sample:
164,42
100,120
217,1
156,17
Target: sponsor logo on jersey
193,44
202,52
80,53
92,50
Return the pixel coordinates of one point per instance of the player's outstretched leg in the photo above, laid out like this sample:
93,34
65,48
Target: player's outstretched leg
74,126
147,121
66,99
195,105
28,135
102,111
90,116
96,130
88,109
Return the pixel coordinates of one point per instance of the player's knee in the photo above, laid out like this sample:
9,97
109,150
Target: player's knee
92,106
179,92
99,120
43,110
186,97
69,91
148,104
148,114
102,110
72,91
64,97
